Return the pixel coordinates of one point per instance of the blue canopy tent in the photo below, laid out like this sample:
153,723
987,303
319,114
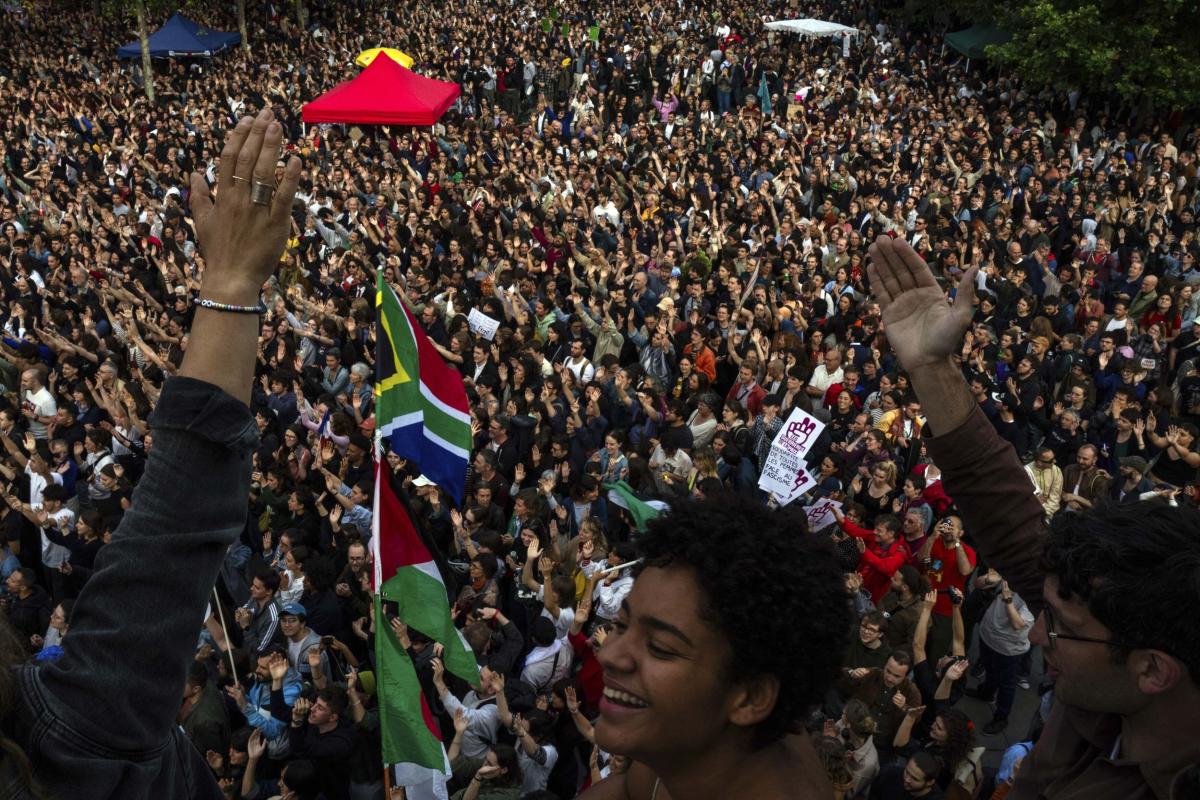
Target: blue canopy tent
179,36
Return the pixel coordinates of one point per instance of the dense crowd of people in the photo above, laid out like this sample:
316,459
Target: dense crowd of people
667,210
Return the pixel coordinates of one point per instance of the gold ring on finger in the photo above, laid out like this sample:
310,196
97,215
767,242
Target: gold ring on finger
262,193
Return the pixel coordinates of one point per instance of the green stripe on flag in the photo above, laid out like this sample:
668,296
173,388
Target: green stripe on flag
403,725
423,606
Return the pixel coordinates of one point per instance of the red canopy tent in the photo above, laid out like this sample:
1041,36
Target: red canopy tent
384,93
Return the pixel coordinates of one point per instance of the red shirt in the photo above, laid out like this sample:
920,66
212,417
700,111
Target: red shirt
591,674
943,573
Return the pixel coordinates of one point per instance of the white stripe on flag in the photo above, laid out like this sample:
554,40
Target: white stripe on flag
442,443
453,412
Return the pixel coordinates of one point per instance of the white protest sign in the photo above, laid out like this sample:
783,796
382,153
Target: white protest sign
845,45
798,433
785,474
821,514
482,324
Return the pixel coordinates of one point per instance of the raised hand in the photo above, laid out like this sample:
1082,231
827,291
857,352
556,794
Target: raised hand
571,700
922,327
256,748
279,667
242,240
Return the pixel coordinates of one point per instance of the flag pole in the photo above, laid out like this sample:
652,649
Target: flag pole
387,781
228,642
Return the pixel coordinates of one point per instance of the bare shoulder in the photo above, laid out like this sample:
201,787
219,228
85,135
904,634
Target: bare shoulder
636,784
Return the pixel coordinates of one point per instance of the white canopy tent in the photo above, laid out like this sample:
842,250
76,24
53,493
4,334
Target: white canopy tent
811,27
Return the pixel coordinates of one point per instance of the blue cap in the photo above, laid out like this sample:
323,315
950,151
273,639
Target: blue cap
294,610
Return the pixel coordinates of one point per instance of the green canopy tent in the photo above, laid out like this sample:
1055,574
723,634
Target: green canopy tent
972,42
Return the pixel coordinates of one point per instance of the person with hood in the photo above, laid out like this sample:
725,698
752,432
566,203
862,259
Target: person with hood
301,641
550,659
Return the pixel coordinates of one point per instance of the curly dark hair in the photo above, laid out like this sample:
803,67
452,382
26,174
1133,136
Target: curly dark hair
762,572
1134,565
960,738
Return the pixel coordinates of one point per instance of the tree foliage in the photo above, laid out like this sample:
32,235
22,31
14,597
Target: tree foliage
1142,50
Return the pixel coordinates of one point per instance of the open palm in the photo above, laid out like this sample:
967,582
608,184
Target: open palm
921,326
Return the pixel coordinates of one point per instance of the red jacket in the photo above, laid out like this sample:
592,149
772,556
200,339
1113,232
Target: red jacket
591,674
877,564
753,402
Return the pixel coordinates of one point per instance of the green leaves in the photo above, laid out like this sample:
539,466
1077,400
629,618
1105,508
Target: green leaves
1144,51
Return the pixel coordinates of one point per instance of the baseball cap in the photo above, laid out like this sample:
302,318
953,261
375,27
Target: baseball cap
293,610
421,480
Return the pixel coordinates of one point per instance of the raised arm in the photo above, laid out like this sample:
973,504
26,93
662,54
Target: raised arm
151,584
982,471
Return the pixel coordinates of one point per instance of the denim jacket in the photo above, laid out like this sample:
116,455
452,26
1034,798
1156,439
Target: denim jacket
100,722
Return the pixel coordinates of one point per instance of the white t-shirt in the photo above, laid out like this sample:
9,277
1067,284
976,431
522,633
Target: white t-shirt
53,555
534,776
42,404
566,616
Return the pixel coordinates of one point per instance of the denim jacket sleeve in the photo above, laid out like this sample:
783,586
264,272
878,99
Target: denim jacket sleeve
134,630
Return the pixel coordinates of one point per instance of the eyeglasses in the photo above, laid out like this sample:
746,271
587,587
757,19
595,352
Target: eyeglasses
1045,461
1053,636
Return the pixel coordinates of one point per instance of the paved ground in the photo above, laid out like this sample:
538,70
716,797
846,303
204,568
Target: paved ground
1024,707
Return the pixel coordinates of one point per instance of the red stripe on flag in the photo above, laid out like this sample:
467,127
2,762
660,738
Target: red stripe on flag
440,378
399,544
430,722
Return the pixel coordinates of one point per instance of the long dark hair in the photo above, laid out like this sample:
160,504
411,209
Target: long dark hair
12,652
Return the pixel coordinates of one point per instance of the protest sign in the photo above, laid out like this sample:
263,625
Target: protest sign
821,514
482,324
785,474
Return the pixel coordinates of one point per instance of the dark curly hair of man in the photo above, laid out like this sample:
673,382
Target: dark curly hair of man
1135,566
775,591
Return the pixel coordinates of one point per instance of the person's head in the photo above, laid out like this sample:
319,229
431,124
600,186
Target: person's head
262,665
1113,639
300,779
909,582
356,556
858,721
483,567
264,586
693,664
922,768
327,708
886,526
60,619
953,732
1086,456
292,621
895,671
870,628
502,764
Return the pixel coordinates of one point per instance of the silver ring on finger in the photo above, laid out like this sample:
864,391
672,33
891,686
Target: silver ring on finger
262,193
240,178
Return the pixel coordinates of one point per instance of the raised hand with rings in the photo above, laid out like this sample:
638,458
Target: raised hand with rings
244,229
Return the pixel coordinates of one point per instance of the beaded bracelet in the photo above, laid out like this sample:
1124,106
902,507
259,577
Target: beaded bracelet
213,305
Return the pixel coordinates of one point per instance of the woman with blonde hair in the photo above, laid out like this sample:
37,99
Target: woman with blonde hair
585,554
857,729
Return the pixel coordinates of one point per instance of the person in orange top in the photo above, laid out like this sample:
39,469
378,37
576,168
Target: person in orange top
881,551
702,356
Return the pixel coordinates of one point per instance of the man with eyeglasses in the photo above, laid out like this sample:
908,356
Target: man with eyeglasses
1109,587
